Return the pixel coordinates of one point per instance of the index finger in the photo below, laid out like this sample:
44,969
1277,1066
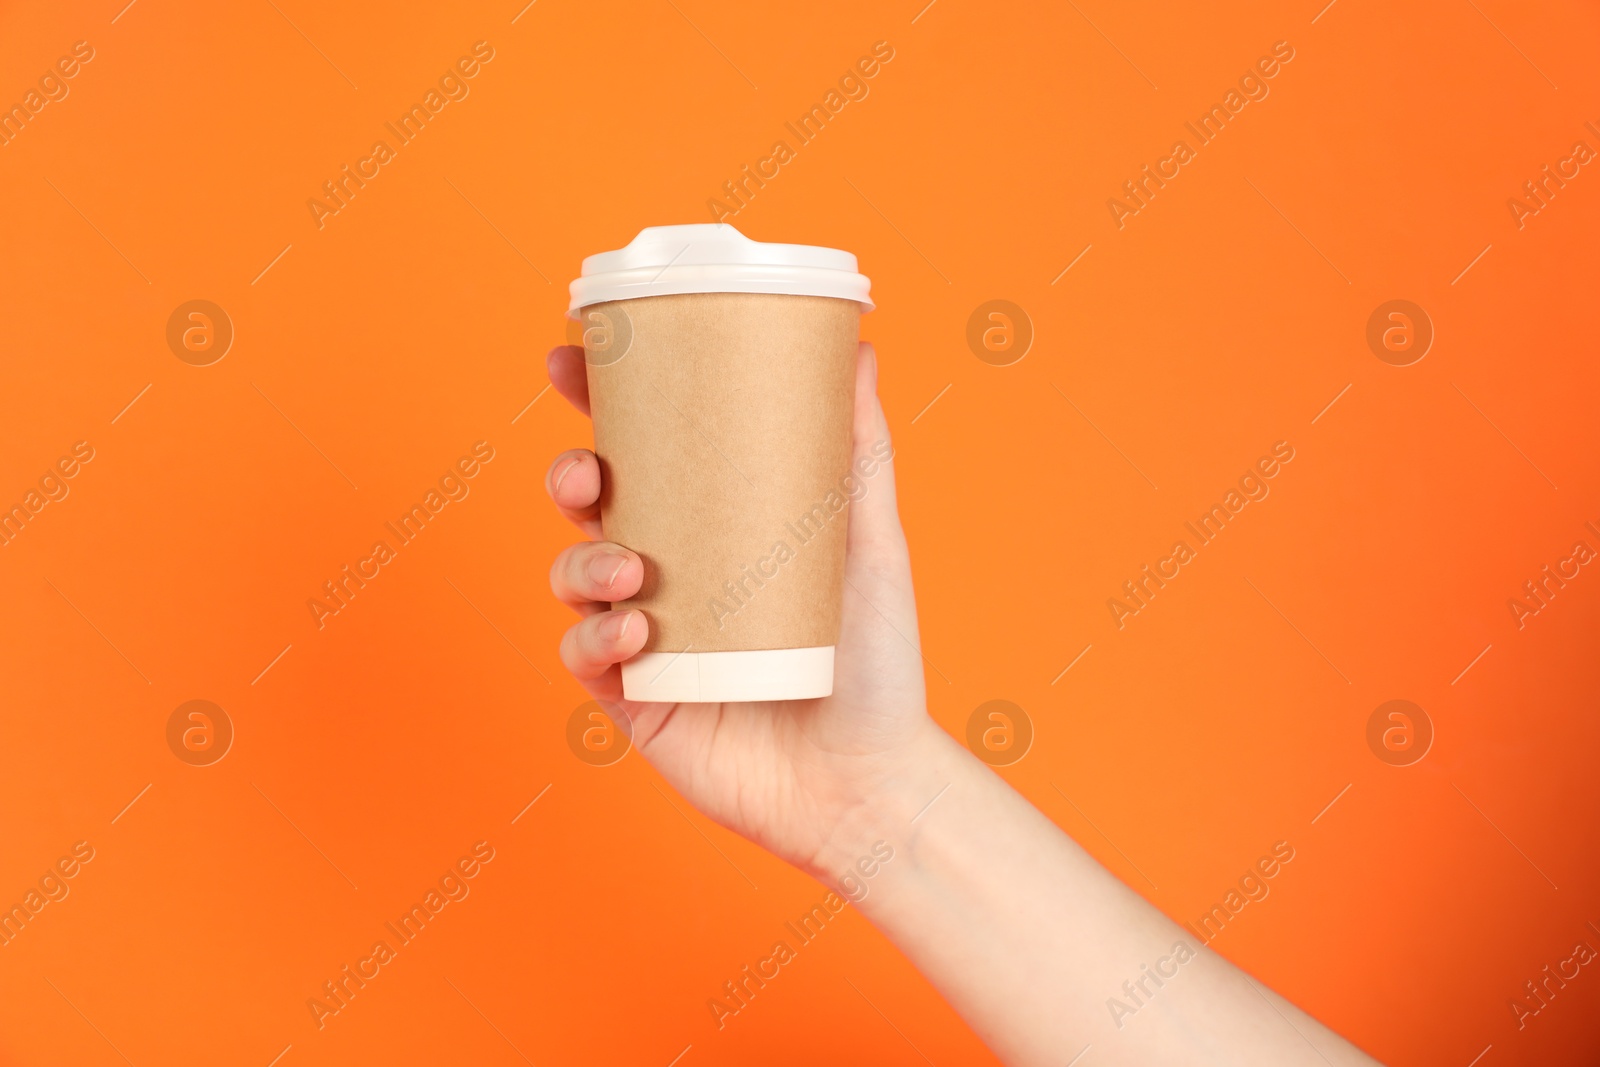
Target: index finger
569,375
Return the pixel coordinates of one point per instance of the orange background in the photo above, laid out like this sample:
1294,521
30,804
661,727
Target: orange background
427,714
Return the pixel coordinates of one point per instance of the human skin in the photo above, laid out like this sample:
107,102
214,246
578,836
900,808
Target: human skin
1019,928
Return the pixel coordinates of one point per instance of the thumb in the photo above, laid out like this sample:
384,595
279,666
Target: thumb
880,670
876,547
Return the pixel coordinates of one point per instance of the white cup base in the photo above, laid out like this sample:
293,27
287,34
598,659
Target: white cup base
717,677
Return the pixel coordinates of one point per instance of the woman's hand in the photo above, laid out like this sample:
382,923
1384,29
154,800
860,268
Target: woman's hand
1020,929
785,774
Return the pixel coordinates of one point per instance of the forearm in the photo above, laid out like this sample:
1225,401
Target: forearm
1030,939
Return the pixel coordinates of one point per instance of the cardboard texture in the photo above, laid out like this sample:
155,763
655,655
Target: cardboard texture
722,424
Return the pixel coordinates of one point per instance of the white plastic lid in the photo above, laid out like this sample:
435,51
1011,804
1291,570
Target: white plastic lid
713,257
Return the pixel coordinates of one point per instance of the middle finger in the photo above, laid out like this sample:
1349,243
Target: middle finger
595,573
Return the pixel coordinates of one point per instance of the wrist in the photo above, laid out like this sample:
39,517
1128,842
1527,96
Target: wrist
882,828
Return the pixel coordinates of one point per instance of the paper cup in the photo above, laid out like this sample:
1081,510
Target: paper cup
722,381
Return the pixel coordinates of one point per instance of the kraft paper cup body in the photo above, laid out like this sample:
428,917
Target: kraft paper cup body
722,423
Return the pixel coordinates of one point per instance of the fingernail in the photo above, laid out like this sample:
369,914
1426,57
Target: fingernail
615,628
605,568
556,486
